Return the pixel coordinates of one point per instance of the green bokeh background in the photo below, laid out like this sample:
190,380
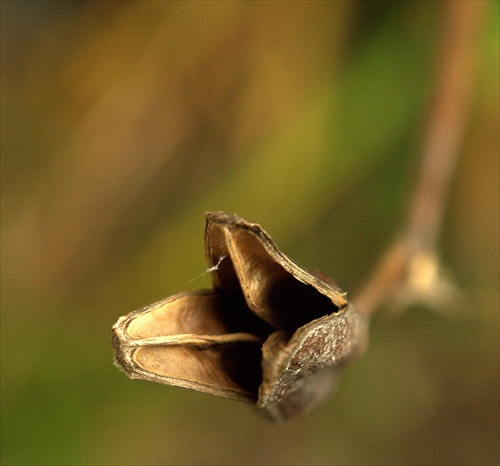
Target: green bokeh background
123,122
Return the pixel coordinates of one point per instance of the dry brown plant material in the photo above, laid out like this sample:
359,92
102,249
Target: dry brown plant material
275,334
269,332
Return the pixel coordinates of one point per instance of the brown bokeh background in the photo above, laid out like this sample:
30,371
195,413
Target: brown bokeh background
123,122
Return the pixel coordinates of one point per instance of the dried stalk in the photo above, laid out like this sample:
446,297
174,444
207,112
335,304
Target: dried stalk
412,261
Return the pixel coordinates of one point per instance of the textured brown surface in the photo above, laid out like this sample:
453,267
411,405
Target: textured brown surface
211,340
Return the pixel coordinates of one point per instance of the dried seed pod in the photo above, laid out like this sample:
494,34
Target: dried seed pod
270,332
183,341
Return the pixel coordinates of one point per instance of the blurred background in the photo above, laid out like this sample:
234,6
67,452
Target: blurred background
124,121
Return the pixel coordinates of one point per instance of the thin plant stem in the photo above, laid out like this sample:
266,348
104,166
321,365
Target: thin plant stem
440,149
